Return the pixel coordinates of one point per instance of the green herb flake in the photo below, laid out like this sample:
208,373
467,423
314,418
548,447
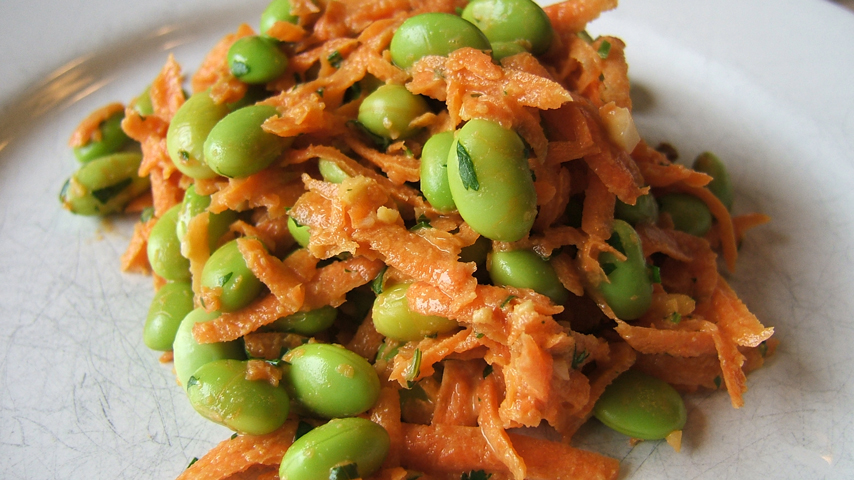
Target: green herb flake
192,381
233,436
585,36
414,368
302,429
604,49
353,92
718,381
423,222
320,91
507,301
763,348
467,172
478,335
106,194
239,69
335,58
578,358
654,274
476,474
185,155
224,279
344,472
377,282
194,460
146,215
675,318
487,371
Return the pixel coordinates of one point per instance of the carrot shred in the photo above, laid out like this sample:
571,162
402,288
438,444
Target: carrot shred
89,128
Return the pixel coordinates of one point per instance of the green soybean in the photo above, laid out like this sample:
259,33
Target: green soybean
142,103
300,232
389,111
256,59
188,130
226,269
641,406
104,185
195,204
721,184
220,392
519,21
189,355
628,290
434,171
330,381
307,323
393,318
331,172
689,213
526,269
172,302
237,146
506,49
164,248
433,34
645,210
276,11
491,182
339,443
113,139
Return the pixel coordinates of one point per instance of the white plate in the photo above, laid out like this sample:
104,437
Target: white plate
764,83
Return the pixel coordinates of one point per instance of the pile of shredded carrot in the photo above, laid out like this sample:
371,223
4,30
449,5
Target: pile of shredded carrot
517,360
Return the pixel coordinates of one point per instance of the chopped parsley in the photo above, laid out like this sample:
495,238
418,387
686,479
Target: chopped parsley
224,279
654,274
467,172
377,282
487,371
414,368
335,58
578,358
604,49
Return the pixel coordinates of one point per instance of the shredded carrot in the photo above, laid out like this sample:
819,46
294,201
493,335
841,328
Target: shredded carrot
89,129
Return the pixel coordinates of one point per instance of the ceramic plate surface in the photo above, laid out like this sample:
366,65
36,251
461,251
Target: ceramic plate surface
763,83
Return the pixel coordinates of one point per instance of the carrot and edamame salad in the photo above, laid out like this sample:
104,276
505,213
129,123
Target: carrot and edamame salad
386,236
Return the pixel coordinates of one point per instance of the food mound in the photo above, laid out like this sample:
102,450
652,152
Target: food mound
387,235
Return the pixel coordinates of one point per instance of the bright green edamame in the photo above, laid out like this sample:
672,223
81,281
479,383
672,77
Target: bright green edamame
307,323
330,381
142,103
104,185
519,21
393,318
526,269
172,302
433,34
641,406
645,209
506,49
189,355
276,11
337,444
237,146
491,182
331,172
628,290
689,213
300,232
434,171
164,248
113,139
195,204
256,59
220,392
390,109
226,269
721,185
185,138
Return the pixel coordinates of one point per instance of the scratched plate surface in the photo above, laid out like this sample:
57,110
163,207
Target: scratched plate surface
763,83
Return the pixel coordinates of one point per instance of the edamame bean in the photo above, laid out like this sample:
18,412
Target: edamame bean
506,49
164,248
689,213
331,172
237,146
189,355
220,392
393,318
330,381
433,34
276,11
300,232
113,139
526,269
645,209
519,21
307,323
226,269
434,171
721,185
339,444
185,138
142,103
256,59
104,185
628,290
490,181
172,302
389,110
195,204
641,406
